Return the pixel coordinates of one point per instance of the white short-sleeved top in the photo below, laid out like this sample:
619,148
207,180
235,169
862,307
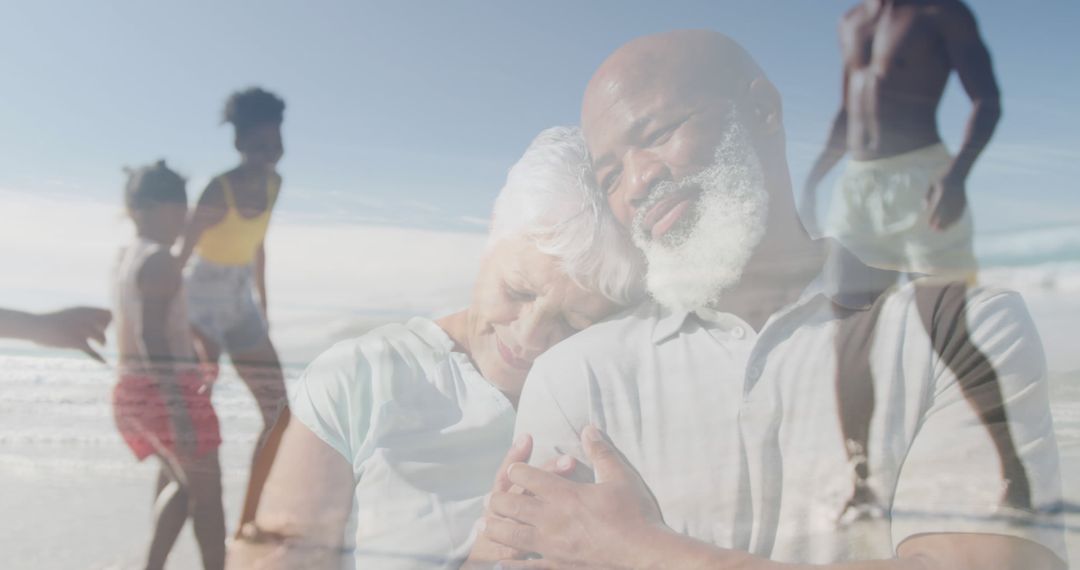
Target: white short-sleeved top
424,433
129,310
737,431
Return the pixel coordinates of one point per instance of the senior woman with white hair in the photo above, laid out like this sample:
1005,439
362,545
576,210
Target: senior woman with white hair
398,434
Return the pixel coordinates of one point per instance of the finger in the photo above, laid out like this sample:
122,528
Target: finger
510,533
519,452
97,333
934,212
608,463
83,331
521,508
100,317
563,465
537,481
931,196
85,347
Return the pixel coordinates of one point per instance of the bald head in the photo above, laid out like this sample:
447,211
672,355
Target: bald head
687,64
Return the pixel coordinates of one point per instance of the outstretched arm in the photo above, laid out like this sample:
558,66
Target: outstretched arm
68,328
969,57
616,523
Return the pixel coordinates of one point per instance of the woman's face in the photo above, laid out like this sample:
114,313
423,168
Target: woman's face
522,305
261,146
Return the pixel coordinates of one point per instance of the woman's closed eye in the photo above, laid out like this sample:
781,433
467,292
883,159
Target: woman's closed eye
519,294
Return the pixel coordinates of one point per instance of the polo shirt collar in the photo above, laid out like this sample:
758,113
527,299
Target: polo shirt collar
844,280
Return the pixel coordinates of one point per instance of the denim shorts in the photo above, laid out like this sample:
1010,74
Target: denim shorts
222,307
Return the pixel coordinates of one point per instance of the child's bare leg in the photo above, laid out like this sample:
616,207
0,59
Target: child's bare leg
207,512
261,371
170,514
260,470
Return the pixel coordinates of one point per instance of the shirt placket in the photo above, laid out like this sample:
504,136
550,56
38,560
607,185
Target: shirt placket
758,427
737,338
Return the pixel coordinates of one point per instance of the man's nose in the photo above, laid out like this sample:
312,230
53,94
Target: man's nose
644,170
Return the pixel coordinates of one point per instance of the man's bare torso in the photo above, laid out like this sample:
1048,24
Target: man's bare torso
897,68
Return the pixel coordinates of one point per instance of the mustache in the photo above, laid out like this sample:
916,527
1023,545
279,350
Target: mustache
660,191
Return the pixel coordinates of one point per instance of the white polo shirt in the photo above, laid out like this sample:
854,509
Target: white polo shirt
424,433
737,431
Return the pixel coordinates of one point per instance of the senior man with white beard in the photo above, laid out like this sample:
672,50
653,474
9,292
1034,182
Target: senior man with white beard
725,441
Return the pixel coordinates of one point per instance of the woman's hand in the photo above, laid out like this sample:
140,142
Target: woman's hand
601,525
486,552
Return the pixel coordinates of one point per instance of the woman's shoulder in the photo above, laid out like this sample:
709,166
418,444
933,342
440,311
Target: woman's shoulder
389,354
416,340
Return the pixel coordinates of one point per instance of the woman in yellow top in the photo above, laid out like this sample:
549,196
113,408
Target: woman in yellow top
226,232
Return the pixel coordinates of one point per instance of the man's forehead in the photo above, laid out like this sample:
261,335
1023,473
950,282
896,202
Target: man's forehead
616,107
655,73
611,125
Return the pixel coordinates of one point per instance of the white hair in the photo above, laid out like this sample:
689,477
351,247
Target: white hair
691,266
550,197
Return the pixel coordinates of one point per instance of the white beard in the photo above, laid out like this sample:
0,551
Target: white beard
705,254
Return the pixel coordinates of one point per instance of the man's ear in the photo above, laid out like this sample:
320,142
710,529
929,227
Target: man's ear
766,105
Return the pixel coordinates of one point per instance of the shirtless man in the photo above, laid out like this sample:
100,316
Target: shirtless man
901,203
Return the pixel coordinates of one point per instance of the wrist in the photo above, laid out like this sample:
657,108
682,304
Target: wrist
662,547
666,548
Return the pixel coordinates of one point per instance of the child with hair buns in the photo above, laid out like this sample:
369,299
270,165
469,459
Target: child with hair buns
161,404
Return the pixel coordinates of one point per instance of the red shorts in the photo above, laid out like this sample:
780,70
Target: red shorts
143,418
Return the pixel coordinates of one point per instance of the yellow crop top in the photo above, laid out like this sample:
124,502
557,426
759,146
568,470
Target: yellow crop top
235,239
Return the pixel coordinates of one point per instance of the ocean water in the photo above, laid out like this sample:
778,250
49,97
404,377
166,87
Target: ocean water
56,419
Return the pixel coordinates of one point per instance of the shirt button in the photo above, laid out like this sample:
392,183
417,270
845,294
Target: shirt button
753,372
738,332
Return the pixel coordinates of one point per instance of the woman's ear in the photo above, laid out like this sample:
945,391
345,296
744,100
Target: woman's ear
766,105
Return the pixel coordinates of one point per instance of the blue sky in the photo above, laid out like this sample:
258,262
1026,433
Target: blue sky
411,112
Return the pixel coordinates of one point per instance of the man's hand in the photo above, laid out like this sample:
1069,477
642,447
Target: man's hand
601,525
72,328
945,201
